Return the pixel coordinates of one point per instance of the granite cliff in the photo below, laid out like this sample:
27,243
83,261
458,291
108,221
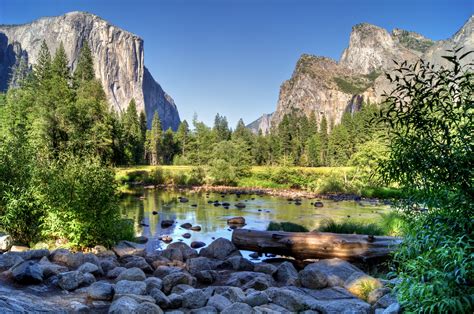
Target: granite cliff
118,59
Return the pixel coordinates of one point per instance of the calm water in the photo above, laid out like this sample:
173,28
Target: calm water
259,211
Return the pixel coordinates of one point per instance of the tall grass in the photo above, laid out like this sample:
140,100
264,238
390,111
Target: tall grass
350,227
285,226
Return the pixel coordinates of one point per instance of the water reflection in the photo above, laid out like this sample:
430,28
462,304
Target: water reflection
154,206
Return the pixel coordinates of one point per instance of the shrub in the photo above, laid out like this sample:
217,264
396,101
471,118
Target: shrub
285,226
156,176
393,223
350,227
197,175
222,172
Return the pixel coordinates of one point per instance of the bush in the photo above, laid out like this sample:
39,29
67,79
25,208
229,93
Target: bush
197,175
285,226
222,172
393,224
350,227
156,176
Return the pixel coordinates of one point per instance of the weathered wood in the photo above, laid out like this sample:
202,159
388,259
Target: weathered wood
315,245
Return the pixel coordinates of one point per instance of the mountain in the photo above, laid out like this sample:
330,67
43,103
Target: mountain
118,59
262,124
323,86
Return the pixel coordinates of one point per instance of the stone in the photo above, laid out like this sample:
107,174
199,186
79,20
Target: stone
287,274
248,279
101,290
385,301
195,265
238,308
173,254
206,276
186,251
240,205
160,298
148,308
132,274
153,283
270,309
239,263
166,238
176,300
196,228
163,271
197,244
6,242
236,221
174,279
220,249
124,305
9,259
186,235
204,310
312,278
89,268
219,302
186,225
140,239
137,297
50,269
234,294
67,258
136,262
265,268
376,294
114,273
108,264
70,280
88,279
181,288
34,254
256,298
27,272
130,287
194,298
337,270
393,308
353,305
288,299
124,248
166,223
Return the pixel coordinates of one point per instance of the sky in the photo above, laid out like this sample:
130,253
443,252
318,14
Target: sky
231,56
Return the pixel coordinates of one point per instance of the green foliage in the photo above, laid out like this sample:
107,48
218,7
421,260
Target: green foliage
197,176
350,227
285,226
393,224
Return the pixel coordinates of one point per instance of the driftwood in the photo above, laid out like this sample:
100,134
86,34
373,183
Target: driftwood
315,245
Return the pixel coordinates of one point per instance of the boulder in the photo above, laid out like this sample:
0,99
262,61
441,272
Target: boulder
186,251
148,308
234,294
101,290
385,301
108,264
206,276
163,271
197,244
160,298
153,283
51,269
270,309
239,263
265,268
220,249
124,305
376,294
176,278
219,302
310,277
67,258
181,288
194,298
70,280
88,279
393,308
337,270
34,254
238,308
6,242
90,268
130,287
136,262
256,298
132,274
173,254
236,221
176,300
124,248
287,274
288,299
27,272
204,310
114,273
9,259
195,265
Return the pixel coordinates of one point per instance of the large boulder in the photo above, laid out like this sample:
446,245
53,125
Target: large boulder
337,270
130,261
130,287
174,279
173,254
9,259
51,269
70,280
207,276
311,277
220,249
124,305
148,308
219,302
287,275
195,265
248,279
114,273
27,272
163,271
6,242
160,298
101,290
265,268
34,254
176,300
289,299
256,298
234,294
194,298
153,283
124,248
90,268
67,258
132,274
239,263
238,308
186,251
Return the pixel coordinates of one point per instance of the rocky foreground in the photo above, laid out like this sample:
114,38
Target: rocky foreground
178,279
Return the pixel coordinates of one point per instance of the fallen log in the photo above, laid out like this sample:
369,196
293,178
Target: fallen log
315,245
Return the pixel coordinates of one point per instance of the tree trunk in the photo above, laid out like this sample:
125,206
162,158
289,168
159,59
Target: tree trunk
315,245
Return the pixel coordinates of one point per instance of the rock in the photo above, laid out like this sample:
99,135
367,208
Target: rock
234,294
220,249
265,268
310,277
19,248
124,305
166,223
183,200
238,308
6,242
195,265
34,254
9,259
376,294
160,298
181,288
248,279
270,309
318,204
141,239
288,299
166,238
337,270
90,268
176,300
114,273
101,290
353,305
236,221
66,258
256,298
385,301
204,310
194,298
108,264
88,279
148,308
206,276
286,274
153,283
219,302
50,269
176,278
197,244
186,225
196,228
132,274
27,272
130,287
254,255
240,205
163,271
359,283
70,280
173,254
393,308
186,251
137,262
124,248
239,263
138,298
186,235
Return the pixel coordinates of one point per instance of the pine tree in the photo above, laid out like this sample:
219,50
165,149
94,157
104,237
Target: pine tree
323,131
85,66
154,140
60,63
182,137
133,134
42,68
168,147
221,128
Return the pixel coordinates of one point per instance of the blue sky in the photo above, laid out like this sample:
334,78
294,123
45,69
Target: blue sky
232,56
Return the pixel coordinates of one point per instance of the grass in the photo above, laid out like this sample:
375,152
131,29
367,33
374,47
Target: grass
351,227
285,226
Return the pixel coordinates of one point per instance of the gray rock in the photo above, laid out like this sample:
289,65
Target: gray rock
176,300
109,263
194,298
204,310
114,273
186,251
137,297
27,272
311,277
287,274
248,279
148,308
195,265
89,268
219,302
6,242
181,288
207,276
337,270
220,249
174,279
136,262
66,258
234,294
197,244
88,279
70,280
393,308
288,299
376,294
256,298
34,254
270,309
124,305
160,298
101,290
265,268
9,259
132,274
385,301
79,307
353,306
153,283
238,308
51,269
173,254
239,263
130,287
163,271
124,248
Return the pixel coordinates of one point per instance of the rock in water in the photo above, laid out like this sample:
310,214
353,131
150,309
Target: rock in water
27,272
118,59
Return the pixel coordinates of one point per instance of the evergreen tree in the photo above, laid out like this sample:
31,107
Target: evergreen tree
339,146
169,147
42,68
323,131
85,65
60,63
182,136
221,128
313,150
133,134
154,140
